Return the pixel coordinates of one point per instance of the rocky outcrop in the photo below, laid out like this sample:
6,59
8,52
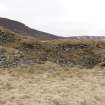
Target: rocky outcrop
80,54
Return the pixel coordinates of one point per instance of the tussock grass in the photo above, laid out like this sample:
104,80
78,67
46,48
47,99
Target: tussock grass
53,70
51,84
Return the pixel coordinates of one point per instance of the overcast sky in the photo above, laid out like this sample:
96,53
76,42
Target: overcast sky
60,17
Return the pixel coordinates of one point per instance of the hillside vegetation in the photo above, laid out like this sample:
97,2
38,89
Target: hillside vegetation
16,49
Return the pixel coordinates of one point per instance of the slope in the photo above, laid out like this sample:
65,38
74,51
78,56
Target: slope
22,29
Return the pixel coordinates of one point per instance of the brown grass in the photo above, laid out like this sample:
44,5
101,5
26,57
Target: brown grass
50,84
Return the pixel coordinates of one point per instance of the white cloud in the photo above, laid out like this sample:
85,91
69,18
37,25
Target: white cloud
62,17
2,8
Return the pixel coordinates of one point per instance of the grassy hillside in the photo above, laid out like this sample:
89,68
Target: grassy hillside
28,50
